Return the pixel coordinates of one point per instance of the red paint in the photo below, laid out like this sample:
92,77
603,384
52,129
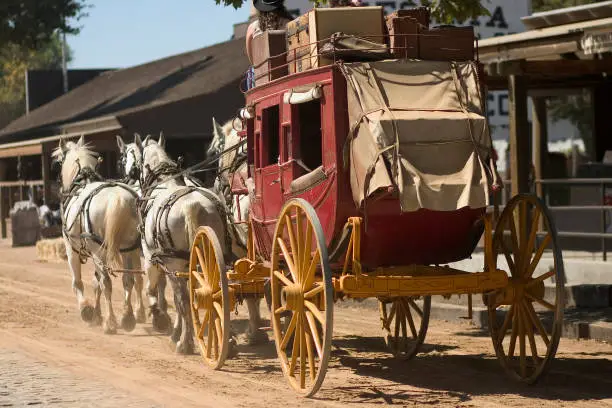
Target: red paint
390,237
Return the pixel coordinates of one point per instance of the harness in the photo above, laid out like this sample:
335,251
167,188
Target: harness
85,176
162,237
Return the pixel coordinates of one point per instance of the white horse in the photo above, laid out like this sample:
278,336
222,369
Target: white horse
172,215
100,221
129,165
233,166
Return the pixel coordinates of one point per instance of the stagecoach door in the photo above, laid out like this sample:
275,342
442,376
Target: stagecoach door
270,154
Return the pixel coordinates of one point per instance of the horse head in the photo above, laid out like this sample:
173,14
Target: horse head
155,162
130,158
75,159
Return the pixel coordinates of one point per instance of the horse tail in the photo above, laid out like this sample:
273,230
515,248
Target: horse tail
193,213
118,212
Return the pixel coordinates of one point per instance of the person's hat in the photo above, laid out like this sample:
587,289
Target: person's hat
267,5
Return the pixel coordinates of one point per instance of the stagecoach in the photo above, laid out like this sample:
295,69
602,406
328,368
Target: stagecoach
371,175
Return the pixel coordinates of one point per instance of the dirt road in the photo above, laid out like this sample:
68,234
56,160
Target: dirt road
48,356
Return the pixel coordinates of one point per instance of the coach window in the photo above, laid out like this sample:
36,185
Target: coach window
270,135
311,139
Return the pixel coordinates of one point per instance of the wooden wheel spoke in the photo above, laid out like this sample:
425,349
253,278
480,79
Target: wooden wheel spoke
309,274
283,278
399,316
413,329
507,255
295,349
203,326
218,334
307,247
513,335
541,278
314,291
300,243
209,338
199,278
536,258
537,323
529,328
531,240
289,260
280,310
289,332
315,333
311,359
504,328
389,319
294,247
540,301
315,311
522,348
515,243
416,307
302,334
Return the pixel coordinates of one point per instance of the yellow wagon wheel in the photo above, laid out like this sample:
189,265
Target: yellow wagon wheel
526,337
405,324
209,295
301,286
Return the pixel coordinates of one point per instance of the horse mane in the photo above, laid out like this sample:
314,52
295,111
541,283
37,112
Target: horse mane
74,158
161,156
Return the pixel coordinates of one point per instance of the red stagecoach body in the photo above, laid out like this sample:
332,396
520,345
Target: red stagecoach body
282,136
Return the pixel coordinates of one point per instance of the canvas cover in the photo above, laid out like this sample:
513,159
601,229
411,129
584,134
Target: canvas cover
418,126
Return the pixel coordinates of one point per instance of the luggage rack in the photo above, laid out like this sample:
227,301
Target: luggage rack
378,51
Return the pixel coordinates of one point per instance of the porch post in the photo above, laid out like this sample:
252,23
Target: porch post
540,141
519,134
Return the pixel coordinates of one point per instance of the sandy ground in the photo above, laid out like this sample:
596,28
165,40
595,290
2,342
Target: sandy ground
48,356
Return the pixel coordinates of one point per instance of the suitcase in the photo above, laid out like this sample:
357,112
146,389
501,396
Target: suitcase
403,37
269,59
305,33
446,43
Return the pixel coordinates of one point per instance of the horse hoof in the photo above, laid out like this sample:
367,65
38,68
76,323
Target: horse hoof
161,322
184,348
110,327
128,322
141,316
257,337
87,313
233,348
97,319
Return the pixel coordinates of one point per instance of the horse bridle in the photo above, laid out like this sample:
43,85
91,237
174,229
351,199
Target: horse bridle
134,174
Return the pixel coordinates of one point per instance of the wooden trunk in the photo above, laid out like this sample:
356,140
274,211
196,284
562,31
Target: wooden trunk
269,60
403,37
305,32
447,44
420,14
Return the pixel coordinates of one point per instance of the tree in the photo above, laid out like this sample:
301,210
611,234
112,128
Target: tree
442,11
32,23
14,61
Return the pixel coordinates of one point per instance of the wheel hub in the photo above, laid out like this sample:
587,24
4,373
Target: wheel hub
293,297
517,290
204,297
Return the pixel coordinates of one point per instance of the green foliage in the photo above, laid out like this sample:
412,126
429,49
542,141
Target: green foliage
14,61
32,23
578,110
442,11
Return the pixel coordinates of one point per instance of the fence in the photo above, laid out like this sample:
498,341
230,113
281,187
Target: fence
600,203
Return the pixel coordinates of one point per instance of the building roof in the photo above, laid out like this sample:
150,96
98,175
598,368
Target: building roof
133,91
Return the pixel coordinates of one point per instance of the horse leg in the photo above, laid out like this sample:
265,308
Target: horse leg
160,318
175,336
97,315
185,344
254,333
128,321
161,296
141,316
87,311
110,323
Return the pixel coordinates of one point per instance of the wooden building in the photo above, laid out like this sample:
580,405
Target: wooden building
178,96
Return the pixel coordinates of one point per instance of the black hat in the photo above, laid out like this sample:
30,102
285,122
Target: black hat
268,5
